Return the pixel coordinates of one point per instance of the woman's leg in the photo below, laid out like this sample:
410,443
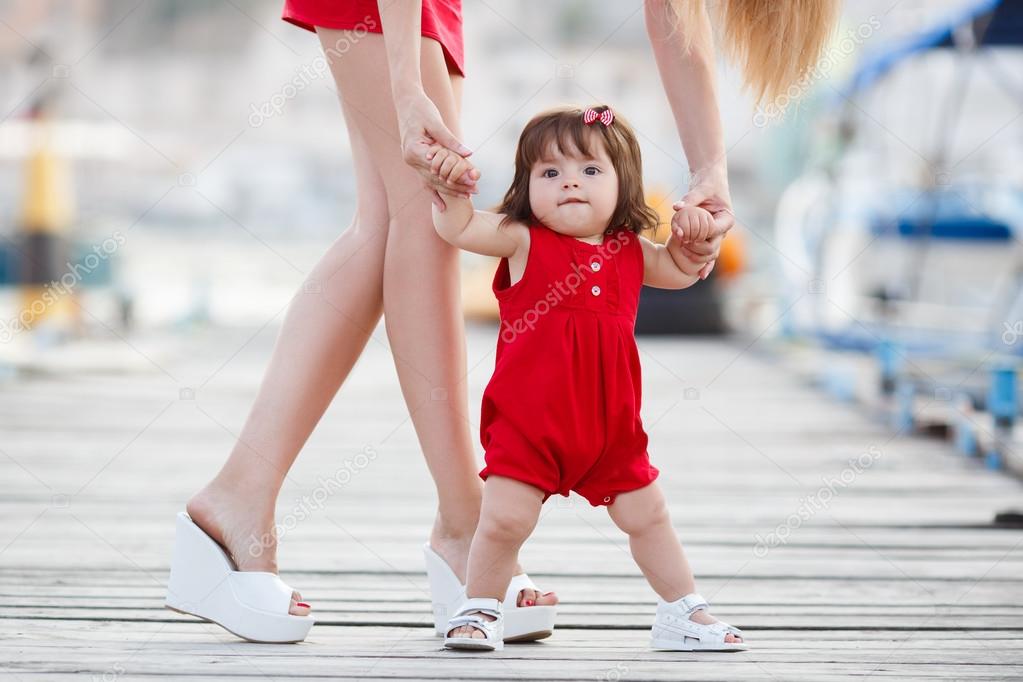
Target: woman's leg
422,309
643,515
423,316
325,330
420,285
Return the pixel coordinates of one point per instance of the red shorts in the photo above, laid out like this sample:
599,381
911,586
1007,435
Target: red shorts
600,479
442,21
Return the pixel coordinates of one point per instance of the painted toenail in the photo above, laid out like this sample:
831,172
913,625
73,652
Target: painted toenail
302,603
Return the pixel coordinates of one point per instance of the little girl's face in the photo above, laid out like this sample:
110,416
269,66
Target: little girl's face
576,194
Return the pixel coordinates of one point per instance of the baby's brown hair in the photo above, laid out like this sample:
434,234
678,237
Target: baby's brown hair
564,128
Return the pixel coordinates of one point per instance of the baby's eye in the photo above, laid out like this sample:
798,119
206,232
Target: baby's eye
550,173
591,170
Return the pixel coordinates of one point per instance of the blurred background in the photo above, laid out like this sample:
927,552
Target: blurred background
171,168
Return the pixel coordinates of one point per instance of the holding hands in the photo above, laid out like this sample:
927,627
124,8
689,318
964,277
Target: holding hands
423,130
700,241
690,225
451,173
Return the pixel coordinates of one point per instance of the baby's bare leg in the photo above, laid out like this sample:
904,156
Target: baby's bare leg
508,515
643,515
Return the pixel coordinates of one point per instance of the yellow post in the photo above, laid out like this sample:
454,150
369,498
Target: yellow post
46,220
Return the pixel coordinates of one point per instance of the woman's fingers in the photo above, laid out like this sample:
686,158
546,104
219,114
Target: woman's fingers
439,132
707,269
700,252
697,257
724,220
696,196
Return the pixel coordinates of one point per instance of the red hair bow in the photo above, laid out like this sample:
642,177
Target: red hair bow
605,117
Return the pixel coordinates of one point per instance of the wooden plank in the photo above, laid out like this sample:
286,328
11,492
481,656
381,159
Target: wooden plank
899,575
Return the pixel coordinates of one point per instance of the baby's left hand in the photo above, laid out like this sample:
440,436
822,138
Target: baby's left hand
450,167
692,224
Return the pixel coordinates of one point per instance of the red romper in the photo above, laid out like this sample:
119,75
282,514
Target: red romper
561,412
442,21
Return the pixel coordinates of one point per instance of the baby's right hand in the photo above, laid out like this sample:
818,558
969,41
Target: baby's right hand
449,168
692,224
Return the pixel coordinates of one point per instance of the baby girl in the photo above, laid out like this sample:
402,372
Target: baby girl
562,410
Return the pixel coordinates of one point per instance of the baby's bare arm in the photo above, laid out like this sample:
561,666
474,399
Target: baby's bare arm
666,266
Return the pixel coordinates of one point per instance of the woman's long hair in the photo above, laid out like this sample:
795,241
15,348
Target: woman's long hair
774,42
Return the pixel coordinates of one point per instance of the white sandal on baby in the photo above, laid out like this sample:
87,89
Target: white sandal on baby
204,582
521,623
471,614
675,631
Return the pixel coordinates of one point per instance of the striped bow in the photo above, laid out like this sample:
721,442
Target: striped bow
605,117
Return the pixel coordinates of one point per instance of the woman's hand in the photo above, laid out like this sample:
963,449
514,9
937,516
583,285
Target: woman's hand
421,128
710,191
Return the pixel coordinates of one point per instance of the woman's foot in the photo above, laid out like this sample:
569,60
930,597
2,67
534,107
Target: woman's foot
246,531
453,546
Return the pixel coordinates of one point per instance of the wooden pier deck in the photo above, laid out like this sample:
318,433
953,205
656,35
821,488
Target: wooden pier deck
886,568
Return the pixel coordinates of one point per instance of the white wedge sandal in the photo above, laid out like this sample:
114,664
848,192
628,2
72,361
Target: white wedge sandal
447,594
471,614
675,631
204,582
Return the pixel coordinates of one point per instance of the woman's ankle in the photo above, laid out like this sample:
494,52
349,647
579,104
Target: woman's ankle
458,527
239,520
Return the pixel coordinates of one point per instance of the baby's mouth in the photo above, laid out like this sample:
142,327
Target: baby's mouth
573,201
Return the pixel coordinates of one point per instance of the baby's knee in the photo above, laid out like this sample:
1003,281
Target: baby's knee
639,519
507,528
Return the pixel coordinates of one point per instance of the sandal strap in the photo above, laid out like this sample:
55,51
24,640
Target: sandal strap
471,614
690,603
518,583
261,590
491,607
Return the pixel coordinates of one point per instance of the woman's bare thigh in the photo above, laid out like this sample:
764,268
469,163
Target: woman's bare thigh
364,88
